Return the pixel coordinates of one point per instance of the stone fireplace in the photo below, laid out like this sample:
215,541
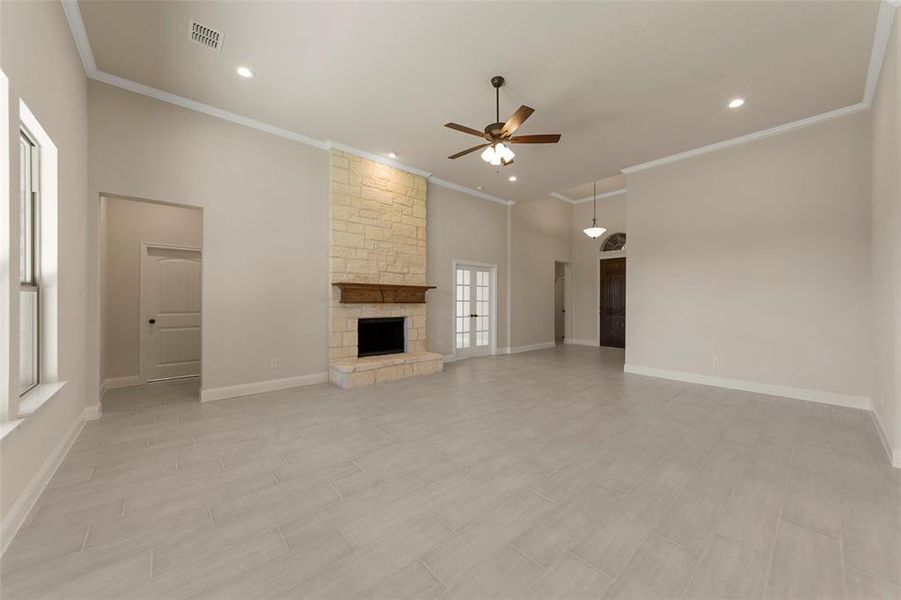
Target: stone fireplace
377,238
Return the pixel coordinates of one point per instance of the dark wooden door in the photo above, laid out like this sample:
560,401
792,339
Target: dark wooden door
613,302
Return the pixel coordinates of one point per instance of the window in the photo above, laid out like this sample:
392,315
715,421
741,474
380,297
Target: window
614,242
29,283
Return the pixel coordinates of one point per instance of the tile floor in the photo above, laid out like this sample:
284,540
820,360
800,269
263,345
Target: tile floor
549,474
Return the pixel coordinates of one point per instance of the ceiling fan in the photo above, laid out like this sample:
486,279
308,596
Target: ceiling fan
499,135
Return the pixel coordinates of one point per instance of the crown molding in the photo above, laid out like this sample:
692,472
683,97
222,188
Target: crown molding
559,196
332,145
886,16
751,137
212,111
453,186
80,35
609,194
86,53
887,10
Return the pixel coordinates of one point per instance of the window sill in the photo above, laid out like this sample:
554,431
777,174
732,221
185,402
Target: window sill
30,403
37,397
7,427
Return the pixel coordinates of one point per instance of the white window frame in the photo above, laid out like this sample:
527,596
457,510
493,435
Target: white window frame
29,273
47,268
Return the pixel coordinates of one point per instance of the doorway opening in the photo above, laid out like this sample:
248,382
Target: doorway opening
562,295
151,298
475,309
612,302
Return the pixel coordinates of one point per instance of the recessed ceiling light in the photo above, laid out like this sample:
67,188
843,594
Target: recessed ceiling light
511,178
480,187
736,102
392,155
244,72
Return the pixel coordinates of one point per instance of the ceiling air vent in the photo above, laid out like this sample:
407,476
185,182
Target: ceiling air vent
205,36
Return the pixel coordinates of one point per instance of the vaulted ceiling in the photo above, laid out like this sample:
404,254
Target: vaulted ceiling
624,82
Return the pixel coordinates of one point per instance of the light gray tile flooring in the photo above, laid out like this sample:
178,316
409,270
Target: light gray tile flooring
549,474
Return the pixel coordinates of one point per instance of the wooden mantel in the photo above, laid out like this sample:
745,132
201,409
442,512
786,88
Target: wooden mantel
382,293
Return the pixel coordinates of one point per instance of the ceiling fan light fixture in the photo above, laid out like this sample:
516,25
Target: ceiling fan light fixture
488,154
504,152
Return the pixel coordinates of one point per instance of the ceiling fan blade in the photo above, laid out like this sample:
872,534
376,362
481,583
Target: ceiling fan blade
467,151
542,138
465,129
519,117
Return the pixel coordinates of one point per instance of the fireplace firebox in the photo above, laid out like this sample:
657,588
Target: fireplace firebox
380,336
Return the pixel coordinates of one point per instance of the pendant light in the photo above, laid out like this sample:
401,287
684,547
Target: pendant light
594,231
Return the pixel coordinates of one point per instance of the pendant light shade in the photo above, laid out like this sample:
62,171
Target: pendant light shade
594,231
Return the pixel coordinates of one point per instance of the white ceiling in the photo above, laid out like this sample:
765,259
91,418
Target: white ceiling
623,82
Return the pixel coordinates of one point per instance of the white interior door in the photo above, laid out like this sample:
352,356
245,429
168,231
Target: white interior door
170,312
474,310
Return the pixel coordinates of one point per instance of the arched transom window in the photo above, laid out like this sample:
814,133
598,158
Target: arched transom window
614,242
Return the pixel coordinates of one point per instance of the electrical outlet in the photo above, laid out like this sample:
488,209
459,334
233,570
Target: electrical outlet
716,361
273,363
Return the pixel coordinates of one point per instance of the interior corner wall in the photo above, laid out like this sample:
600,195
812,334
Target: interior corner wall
45,71
541,233
586,254
462,227
757,255
886,244
128,224
265,227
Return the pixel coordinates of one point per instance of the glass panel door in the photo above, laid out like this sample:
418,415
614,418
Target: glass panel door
473,318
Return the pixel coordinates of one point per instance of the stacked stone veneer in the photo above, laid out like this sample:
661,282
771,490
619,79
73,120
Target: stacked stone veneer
377,234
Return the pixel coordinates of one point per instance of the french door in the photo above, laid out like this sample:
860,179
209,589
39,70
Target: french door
474,327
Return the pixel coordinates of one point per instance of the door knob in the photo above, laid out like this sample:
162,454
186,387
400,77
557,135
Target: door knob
152,321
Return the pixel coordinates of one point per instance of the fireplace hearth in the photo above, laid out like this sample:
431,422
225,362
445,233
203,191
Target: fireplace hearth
379,336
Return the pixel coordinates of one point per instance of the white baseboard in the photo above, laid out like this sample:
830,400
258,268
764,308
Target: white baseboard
894,456
93,412
259,387
111,383
579,342
29,496
834,399
529,348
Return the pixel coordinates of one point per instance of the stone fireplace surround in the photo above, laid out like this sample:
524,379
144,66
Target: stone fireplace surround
377,234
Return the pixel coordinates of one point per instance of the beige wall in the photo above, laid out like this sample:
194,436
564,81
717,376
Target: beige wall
886,242
586,253
265,227
464,228
44,70
758,255
540,234
128,224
